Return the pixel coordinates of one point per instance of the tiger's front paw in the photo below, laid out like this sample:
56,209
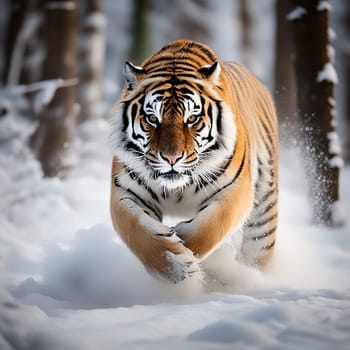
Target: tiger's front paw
183,265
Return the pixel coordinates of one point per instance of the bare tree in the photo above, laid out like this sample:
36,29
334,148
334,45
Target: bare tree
284,75
316,76
140,47
347,72
18,12
56,121
91,53
246,32
23,49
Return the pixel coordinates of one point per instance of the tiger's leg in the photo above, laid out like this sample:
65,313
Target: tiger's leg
155,244
259,233
259,241
219,218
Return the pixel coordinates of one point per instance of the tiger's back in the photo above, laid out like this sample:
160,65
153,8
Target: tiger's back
253,103
194,137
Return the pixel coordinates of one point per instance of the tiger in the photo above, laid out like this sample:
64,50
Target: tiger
194,138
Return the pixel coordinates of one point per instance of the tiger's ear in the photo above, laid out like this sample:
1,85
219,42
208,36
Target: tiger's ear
211,72
132,74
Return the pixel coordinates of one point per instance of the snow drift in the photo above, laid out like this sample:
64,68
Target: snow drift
68,281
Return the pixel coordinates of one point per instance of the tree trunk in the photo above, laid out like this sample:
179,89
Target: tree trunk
140,46
347,77
91,58
284,75
19,10
246,32
315,76
34,54
56,121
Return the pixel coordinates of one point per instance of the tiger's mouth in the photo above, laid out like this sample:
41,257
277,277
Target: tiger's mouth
172,175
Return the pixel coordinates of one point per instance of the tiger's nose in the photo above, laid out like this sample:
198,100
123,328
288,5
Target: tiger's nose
171,159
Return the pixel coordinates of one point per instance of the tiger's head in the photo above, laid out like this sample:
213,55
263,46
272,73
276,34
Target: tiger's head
173,124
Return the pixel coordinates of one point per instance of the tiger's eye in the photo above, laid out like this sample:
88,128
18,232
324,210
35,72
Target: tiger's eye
152,118
192,118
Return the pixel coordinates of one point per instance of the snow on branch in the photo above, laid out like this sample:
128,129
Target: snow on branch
324,5
95,20
331,34
59,5
328,73
336,161
31,23
45,91
334,143
331,53
296,14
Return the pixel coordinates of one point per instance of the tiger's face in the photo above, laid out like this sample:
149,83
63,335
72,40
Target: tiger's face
173,131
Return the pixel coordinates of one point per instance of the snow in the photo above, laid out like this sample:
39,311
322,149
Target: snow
45,95
331,53
297,13
336,162
324,5
331,33
334,144
59,5
68,282
31,23
328,73
96,20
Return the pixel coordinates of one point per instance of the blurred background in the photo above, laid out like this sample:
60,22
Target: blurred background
61,60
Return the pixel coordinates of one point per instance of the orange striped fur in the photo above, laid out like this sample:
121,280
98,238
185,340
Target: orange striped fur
194,138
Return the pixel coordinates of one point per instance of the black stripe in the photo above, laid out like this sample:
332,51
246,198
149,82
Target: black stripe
202,208
268,135
265,197
138,178
132,147
213,177
210,116
154,210
263,222
116,181
182,75
134,111
238,173
188,160
268,208
172,67
229,160
133,117
269,246
219,117
265,234
213,147
125,115
190,220
164,193
186,91
170,59
204,50
156,85
145,211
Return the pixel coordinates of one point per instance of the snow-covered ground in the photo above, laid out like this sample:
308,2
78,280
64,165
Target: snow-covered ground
67,282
